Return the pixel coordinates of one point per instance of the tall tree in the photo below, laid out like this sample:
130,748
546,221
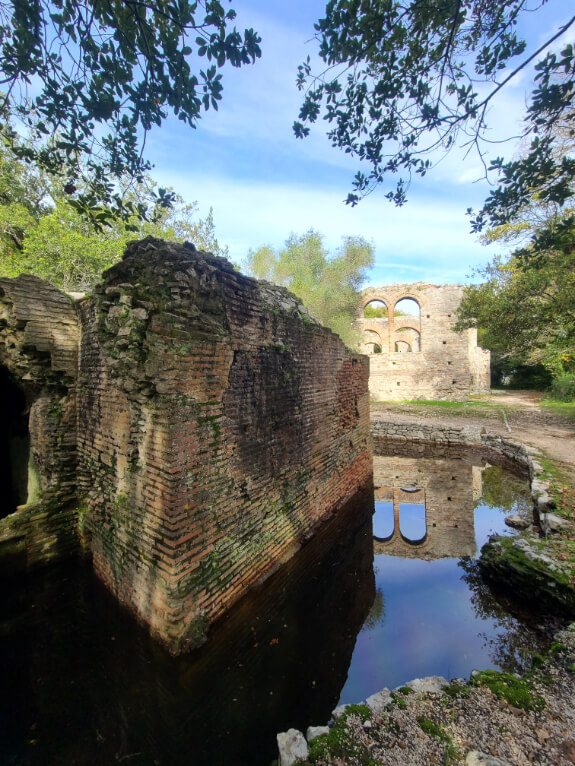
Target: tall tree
525,307
405,80
42,233
328,286
92,77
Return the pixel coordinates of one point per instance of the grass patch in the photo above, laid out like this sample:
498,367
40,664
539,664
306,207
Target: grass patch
517,692
433,729
340,743
456,690
567,409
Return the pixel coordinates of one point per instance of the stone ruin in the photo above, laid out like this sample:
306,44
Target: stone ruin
413,349
184,425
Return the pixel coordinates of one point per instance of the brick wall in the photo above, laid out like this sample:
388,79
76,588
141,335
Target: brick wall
219,425
442,363
39,334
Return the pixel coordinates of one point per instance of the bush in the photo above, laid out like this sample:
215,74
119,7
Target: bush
563,388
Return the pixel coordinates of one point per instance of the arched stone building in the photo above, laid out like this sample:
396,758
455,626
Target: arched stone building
407,331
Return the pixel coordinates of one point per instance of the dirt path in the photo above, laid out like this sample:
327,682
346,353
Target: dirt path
517,415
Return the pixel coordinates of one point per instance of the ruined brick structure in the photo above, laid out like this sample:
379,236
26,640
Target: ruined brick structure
419,355
39,335
218,426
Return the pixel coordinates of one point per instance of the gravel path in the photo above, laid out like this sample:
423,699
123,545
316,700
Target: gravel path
512,414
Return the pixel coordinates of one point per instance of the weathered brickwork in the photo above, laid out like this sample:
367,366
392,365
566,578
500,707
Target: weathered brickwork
421,356
219,426
39,335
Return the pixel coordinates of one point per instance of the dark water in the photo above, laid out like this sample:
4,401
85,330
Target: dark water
83,684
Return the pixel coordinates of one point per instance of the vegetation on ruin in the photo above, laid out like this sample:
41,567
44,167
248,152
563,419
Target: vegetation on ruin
86,82
42,233
327,284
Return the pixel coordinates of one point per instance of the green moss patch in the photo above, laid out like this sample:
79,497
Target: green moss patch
516,691
433,729
340,742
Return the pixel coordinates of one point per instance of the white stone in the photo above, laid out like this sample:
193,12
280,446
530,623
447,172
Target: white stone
339,711
378,701
430,685
550,522
516,521
316,731
292,746
477,758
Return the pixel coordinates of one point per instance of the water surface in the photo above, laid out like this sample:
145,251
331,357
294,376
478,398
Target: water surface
352,613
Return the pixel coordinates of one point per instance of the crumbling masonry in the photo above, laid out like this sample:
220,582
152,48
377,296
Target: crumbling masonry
193,424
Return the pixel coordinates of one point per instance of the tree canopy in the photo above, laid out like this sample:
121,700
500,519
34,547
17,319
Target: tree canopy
327,285
84,82
405,80
43,234
525,306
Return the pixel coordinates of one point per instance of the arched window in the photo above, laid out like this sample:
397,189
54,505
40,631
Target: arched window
375,310
408,307
371,342
407,339
412,522
14,445
383,521
406,335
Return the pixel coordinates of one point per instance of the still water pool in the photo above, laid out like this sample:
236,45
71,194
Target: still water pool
372,601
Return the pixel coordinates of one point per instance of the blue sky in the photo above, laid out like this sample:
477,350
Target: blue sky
263,184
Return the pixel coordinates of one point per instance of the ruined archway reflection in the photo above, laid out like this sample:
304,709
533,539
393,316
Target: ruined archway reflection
432,614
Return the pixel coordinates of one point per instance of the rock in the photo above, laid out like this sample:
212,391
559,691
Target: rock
377,702
520,566
339,711
316,731
429,685
516,521
550,522
477,758
291,746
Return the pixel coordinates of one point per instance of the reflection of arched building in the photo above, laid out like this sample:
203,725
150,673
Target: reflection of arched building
407,330
446,487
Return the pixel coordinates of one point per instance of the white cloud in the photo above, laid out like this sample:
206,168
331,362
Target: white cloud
427,238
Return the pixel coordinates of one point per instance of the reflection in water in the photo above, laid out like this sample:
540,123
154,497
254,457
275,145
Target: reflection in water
432,613
82,684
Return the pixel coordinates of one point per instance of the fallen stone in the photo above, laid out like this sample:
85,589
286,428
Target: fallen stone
516,521
339,711
477,758
429,685
550,522
316,731
377,702
292,746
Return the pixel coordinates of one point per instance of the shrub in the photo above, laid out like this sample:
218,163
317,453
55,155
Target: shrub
563,388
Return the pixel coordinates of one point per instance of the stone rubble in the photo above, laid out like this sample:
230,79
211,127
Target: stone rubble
477,727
